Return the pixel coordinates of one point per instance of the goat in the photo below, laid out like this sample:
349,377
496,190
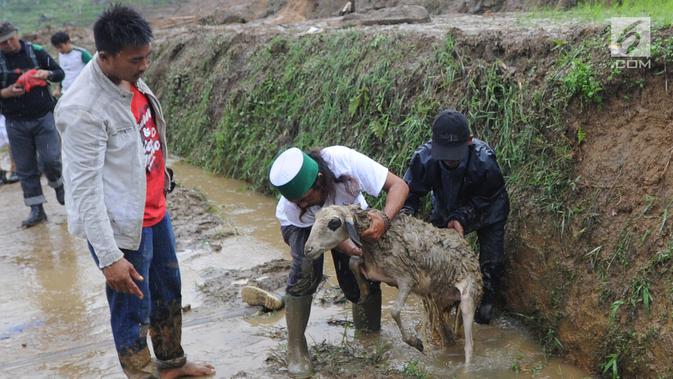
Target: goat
414,256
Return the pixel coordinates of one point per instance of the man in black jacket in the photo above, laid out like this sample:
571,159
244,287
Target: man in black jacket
468,194
30,121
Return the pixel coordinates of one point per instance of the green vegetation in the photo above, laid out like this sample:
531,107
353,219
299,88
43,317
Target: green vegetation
413,369
661,11
581,80
611,366
32,15
377,94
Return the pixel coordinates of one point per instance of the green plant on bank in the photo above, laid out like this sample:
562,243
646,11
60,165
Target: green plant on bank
661,11
611,366
414,369
640,293
581,80
31,15
614,308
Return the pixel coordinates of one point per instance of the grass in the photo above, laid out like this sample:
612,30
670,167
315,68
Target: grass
32,15
581,80
660,11
414,369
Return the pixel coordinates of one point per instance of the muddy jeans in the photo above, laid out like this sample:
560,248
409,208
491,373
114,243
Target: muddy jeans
36,146
160,310
306,275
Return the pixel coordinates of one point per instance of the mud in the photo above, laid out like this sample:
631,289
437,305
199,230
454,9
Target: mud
195,223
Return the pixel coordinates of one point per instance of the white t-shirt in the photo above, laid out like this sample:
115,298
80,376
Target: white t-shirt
369,175
72,63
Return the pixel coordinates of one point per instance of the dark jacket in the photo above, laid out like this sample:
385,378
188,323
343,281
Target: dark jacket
474,194
38,101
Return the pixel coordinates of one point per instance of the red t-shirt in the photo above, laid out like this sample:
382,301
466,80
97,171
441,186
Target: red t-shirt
155,201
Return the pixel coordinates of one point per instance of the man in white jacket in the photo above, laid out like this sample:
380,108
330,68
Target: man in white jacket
114,151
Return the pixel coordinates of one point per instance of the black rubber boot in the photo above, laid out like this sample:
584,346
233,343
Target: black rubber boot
60,194
35,217
485,310
3,177
491,275
367,316
297,311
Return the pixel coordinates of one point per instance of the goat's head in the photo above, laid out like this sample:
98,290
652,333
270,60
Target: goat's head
333,225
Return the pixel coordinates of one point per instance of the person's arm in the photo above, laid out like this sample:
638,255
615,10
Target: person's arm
12,90
49,69
415,177
84,143
86,56
397,191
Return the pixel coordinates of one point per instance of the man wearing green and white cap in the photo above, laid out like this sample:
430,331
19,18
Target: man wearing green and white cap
333,175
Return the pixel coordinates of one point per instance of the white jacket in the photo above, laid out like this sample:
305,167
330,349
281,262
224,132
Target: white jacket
104,162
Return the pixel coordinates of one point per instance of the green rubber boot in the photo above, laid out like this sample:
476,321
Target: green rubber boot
297,311
367,316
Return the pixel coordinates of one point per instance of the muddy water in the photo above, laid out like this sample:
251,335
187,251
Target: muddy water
54,320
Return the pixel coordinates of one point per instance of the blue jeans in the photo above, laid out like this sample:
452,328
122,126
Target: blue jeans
36,146
160,310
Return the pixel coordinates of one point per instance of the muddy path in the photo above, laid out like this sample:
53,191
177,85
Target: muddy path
54,320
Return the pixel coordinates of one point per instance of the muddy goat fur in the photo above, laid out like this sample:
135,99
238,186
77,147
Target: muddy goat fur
414,256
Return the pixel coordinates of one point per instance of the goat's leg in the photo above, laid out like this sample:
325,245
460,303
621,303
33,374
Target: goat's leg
356,265
467,307
408,337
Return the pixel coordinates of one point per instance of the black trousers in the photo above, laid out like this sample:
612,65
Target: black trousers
491,240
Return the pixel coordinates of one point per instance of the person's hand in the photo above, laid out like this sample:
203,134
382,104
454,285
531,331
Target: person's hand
13,90
377,227
41,74
57,92
454,224
349,248
120,277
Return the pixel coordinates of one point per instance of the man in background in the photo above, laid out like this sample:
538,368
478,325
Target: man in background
70,57
27,105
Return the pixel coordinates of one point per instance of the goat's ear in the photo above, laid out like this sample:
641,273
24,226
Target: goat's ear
353,233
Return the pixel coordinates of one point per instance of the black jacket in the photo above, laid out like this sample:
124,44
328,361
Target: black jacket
474,194
38,101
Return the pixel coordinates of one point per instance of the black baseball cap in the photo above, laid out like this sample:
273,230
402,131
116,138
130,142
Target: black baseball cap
449,136
7,31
